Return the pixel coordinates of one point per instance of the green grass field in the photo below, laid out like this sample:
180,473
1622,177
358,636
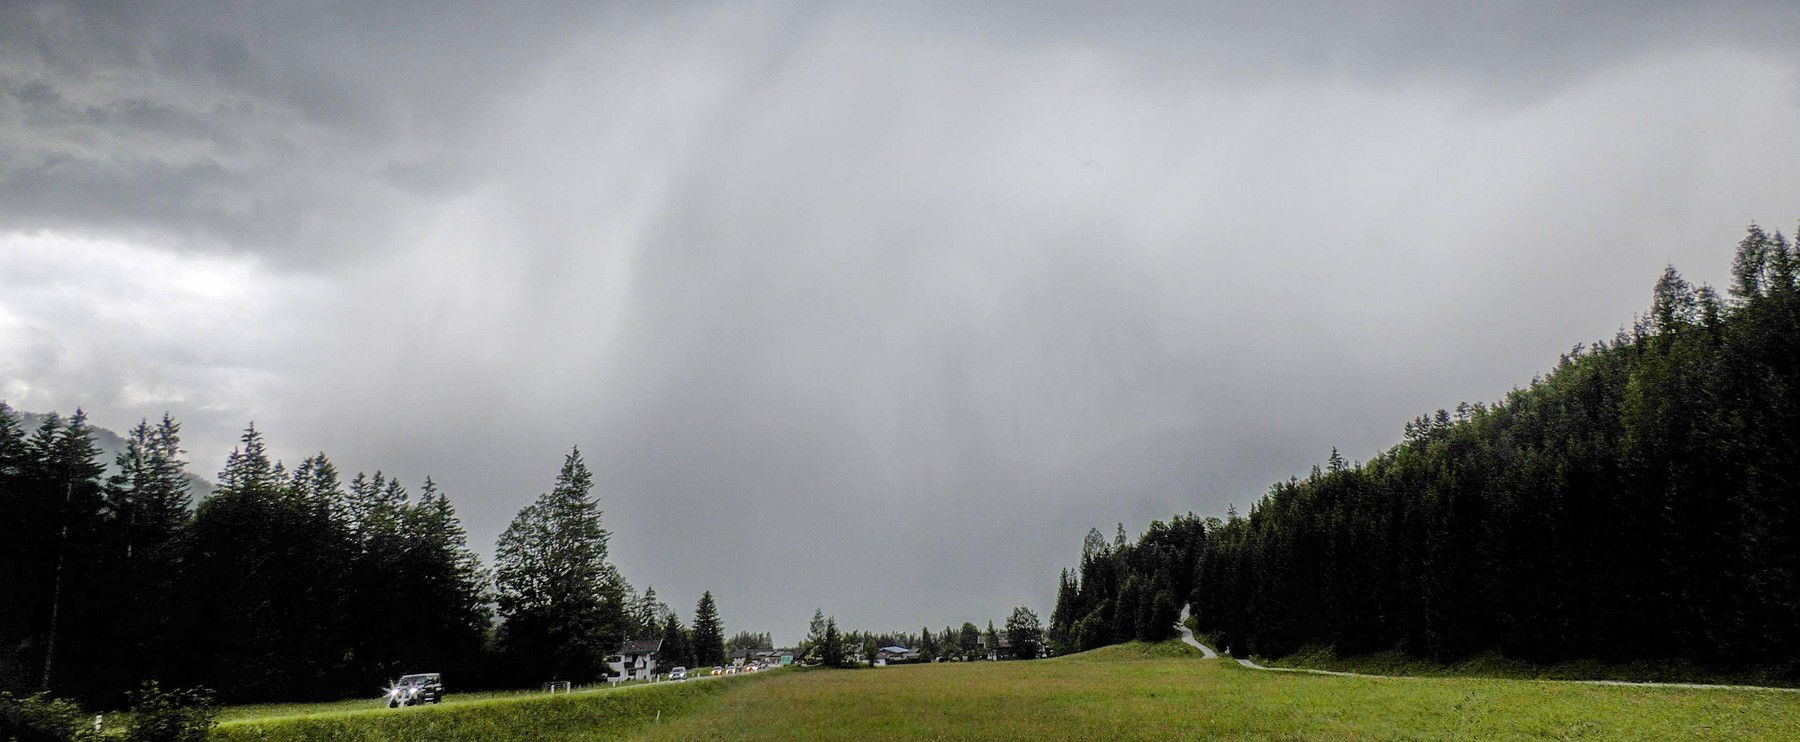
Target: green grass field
1129,692
1492,665
518,715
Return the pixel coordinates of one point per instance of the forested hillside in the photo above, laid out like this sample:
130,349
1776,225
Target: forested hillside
1642,500
287,584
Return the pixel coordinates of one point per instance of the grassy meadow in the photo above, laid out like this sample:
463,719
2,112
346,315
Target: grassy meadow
519,715
1493,665
1128,692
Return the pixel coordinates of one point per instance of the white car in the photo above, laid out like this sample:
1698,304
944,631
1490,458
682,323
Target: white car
679,673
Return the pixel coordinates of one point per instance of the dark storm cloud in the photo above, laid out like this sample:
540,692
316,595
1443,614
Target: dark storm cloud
261,126
256,127
853,305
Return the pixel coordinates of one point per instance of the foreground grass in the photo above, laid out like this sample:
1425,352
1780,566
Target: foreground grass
268,711
1159,692
1491,665
583,715
1128,692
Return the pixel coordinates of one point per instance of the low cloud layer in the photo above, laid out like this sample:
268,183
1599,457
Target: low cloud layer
863,308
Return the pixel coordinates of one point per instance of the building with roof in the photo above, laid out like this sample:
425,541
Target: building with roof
635,660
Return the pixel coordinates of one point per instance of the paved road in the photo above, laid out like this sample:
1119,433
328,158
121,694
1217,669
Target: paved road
1187,635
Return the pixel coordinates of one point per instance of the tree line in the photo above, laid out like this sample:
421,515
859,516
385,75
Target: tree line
1124,591
293,584
1639,501
828,645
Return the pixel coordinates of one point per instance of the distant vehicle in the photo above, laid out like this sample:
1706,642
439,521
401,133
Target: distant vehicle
679,673
412,690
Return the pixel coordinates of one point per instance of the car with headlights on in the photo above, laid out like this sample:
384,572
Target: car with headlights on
412,690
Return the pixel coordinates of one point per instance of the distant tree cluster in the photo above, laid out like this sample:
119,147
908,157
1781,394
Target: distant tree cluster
827,645
749,641
1124,591
292,584
1642,501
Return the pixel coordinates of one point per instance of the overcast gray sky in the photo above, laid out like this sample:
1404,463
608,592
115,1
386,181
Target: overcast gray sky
860,306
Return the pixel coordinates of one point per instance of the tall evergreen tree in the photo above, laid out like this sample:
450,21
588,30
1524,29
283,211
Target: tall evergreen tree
444,584
676,649
147,507
562,611
831,645
647,613
815,634
1065,614
16,539
709,632
70,474
264,581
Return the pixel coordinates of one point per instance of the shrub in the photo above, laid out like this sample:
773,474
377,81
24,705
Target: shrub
171,716
40,718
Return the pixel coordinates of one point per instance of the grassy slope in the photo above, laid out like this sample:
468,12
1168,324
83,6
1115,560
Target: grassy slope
1131,691
271,711
1158,692
606,712
1493,665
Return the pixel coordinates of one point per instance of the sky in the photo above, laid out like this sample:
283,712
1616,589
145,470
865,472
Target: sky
857,306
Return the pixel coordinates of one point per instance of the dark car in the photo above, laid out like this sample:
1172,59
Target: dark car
412,690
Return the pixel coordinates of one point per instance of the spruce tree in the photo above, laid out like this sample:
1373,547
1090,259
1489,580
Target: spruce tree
257,584
709,632
146,511
1065,614
445,584
71,470
815,634
676,649
562,609
831,645
646,613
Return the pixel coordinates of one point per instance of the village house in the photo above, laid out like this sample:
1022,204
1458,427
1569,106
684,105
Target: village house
1002,649
636,660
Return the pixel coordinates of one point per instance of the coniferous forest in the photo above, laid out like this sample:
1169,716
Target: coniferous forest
288,585
1639,502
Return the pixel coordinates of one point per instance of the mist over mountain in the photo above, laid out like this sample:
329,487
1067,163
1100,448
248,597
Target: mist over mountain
112,444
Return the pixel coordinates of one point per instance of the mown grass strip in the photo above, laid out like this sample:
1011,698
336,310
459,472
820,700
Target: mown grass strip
588,715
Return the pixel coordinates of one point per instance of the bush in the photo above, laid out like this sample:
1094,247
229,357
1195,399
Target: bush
171,716
40,718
